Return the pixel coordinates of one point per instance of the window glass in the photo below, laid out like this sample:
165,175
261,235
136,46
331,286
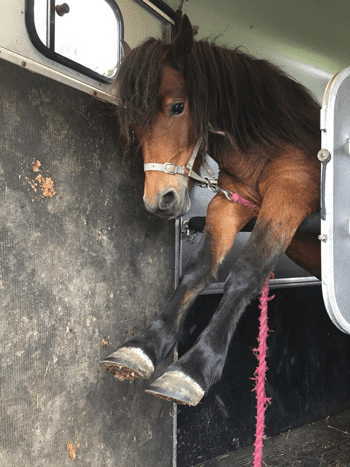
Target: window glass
89,34
84,32
40,17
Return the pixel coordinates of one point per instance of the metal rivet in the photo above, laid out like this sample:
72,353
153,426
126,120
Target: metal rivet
323,238
24,64
323,155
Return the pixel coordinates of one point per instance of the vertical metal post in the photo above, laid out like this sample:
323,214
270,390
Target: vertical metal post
178,270
50,24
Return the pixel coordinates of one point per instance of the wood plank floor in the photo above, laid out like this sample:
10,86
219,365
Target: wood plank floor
325,443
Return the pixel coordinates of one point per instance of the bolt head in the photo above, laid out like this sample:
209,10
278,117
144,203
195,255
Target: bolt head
323,155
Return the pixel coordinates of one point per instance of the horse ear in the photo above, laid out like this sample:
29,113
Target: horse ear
182,43
126,49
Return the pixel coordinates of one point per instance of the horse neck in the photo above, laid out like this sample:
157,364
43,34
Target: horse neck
244,166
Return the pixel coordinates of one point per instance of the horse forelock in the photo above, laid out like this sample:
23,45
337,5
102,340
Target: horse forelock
137,82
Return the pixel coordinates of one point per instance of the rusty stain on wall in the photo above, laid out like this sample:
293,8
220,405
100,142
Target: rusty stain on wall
44,183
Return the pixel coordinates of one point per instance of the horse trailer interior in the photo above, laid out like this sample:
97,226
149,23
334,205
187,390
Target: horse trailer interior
84,267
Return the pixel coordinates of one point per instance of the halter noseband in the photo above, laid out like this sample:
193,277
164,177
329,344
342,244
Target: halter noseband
186,170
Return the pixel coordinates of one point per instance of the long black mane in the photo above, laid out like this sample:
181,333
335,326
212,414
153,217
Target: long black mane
251,100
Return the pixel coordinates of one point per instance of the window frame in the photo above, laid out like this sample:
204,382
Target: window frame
160,9
49,52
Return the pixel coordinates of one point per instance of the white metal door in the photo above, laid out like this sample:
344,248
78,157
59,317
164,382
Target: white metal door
335,193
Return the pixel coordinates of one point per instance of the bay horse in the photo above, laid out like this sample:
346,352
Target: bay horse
182,100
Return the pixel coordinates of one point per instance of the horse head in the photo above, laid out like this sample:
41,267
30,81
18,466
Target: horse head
168,138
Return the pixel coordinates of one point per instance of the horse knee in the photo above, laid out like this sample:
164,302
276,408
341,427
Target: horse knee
197,272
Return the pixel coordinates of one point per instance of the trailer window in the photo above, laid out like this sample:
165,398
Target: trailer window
84,35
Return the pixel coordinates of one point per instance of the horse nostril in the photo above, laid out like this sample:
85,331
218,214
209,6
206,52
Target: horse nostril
168,200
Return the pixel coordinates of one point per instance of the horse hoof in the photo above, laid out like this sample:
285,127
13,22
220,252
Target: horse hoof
128,363
177,387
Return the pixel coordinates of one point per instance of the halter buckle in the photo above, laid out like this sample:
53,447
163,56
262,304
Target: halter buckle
170,168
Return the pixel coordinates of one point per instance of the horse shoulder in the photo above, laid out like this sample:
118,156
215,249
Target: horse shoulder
294,175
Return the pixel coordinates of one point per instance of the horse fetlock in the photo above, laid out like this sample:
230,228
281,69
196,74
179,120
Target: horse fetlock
178,387
128,363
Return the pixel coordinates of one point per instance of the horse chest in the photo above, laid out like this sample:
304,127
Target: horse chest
242,174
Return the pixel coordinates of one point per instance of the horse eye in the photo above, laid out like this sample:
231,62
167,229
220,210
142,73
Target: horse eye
177,108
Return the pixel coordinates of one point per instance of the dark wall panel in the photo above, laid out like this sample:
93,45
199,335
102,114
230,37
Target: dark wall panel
80,273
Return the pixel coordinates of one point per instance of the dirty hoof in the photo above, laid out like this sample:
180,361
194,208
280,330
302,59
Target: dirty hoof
128,363
177,387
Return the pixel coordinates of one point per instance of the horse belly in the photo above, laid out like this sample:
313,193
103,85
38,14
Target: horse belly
305,251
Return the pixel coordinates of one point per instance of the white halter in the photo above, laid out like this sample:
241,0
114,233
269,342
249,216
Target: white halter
186,170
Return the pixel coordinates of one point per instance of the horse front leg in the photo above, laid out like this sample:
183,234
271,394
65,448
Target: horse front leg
187,380
138,357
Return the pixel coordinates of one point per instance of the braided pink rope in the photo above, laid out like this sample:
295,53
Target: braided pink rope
260,375
260,352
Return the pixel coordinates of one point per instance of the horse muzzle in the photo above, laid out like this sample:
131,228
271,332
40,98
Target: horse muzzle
169,204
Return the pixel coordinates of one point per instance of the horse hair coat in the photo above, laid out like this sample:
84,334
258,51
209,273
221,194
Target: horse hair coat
262,128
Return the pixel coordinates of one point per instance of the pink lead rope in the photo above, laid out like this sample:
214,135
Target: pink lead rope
260,375
260,352
236,198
